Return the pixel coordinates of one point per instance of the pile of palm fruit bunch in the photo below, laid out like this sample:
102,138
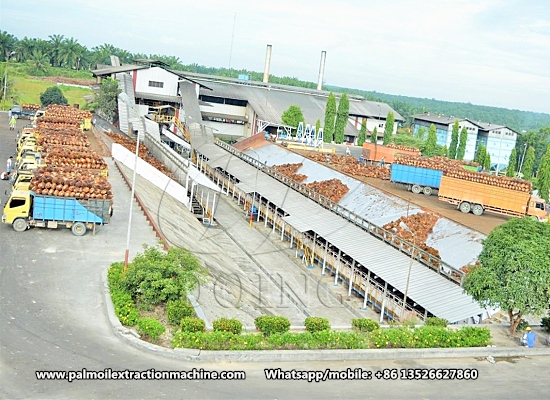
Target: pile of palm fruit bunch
290,171
505,182
351,166
419,227
438,163
59,156
332,189
81,183
143,152
401,147
67,113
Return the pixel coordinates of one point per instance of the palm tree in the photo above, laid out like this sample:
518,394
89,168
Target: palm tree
102,54
57,43
7,45
39,61
71,53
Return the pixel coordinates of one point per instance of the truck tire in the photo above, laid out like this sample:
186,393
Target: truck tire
427,190
465,207
20,225
416,189
477,209
79,229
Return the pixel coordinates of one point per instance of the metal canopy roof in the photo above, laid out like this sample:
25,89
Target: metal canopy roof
432,291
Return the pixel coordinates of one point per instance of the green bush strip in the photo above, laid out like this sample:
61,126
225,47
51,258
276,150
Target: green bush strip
423,337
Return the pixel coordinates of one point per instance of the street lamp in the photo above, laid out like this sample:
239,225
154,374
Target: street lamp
404,226
126,99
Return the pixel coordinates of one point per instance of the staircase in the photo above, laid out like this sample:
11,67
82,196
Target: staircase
196,207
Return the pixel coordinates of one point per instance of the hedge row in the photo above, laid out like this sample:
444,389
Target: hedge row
422,337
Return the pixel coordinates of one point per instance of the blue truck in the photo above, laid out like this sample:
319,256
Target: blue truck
25,209
417,180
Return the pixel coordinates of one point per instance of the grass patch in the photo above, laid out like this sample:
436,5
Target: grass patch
29,90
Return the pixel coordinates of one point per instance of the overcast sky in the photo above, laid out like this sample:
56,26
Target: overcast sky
489,52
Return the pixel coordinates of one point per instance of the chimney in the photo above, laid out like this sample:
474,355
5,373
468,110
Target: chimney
321,70
267,63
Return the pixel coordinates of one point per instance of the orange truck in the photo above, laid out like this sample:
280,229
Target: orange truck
377,152
479,197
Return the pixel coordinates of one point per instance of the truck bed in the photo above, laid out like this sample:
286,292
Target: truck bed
492,198
51,208
415,175
375,152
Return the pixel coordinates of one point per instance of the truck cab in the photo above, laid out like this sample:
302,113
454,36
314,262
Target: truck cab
17,210
28,143
22,180
537,209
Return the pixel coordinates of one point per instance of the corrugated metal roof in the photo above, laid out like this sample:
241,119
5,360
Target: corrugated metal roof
117,69
158,97
432,291
269,103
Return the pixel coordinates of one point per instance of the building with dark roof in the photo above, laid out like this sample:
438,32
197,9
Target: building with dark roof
498,139
239,108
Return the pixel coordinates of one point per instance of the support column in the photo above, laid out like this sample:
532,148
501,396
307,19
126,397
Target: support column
384,296
337,268
325,258
351,277
366,291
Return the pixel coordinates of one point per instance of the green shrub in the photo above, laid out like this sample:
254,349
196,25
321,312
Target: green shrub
269,324
470,336
522,325
155,276
218,340
365,324
228,325
176,310
316,324
191,324
150,327
114,274
545,322
434,321
125,309
430,337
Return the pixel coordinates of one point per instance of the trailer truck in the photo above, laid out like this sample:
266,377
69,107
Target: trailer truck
417,179
478,197
376,152
25,209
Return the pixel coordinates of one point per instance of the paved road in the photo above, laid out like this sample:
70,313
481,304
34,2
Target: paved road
52,317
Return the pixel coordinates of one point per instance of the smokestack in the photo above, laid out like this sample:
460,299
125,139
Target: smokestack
321,70
267,63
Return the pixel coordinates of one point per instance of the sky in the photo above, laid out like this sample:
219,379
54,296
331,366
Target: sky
486,52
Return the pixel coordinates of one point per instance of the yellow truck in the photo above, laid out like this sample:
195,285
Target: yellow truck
477,197
25,209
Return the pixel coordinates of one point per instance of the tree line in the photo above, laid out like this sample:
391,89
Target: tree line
60,51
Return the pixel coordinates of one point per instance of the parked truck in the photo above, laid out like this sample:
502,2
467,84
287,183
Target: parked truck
25,209
377,152
417,180
25,110
476,197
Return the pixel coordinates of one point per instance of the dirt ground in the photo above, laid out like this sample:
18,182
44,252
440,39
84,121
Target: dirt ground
62,79
484,223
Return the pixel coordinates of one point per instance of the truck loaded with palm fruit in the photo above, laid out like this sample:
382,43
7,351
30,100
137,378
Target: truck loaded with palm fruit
469,190
69,186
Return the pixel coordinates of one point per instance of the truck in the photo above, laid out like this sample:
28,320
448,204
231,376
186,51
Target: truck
377,152
417,179
477,197
25,111
25,209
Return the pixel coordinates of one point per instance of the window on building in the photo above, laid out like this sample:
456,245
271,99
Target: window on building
156,84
